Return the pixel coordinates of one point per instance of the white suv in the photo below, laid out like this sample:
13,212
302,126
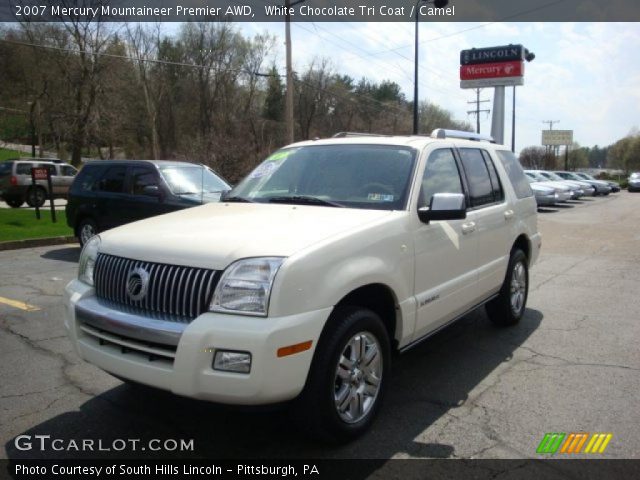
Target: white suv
325,259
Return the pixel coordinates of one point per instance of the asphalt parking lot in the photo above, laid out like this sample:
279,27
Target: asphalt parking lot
471,391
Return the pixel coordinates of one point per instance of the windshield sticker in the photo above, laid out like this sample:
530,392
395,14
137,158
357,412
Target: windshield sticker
281,155
266,168
380,197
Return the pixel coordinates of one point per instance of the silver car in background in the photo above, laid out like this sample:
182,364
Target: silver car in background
587,188
575,187
563,192
634,182
602,188
545,195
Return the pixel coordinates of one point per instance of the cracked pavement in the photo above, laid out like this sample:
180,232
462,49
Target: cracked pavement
471,391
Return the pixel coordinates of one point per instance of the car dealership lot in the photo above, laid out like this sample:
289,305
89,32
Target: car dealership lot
472,390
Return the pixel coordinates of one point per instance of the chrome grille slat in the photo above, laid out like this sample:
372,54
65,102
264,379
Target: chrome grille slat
175,292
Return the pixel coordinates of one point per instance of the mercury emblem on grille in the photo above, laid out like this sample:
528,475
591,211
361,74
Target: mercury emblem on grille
137,283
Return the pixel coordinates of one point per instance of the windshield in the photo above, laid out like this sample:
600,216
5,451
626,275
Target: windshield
584,175
553,176
536,176
354,176
192,180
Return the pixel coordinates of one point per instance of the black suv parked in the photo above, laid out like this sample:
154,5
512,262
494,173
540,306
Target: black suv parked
110,193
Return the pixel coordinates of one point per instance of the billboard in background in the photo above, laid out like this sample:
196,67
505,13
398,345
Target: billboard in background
492,67
557,137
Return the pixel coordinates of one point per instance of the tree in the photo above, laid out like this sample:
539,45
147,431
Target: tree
532,157
274,98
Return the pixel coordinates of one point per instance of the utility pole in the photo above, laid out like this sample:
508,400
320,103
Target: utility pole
288,101
551,122
478,111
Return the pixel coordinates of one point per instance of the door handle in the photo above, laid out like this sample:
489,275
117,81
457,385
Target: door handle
508,215
468,227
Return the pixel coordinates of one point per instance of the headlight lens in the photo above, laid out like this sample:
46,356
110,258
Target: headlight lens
246,286
88,260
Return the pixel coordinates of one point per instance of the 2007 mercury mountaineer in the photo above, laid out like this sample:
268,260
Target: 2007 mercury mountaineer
325,259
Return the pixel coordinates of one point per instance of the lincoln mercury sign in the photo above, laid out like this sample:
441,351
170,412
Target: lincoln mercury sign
490,67
557,137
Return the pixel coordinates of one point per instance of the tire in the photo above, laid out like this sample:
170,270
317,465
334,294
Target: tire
36,197
508,307
319,410
86,229
14,202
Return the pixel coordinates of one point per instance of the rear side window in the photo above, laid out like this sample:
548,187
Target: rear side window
480,188
113,180
86,180
515,173
140,178
496,186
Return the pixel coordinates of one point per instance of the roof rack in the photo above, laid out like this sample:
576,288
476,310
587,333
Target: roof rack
444,133
357,134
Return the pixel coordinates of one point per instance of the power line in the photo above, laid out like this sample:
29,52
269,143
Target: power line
136,59
477,111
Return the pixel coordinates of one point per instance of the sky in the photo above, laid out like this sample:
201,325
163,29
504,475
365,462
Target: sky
585,75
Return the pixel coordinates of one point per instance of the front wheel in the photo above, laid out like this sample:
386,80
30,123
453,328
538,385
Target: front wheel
86,230
508,307
348,376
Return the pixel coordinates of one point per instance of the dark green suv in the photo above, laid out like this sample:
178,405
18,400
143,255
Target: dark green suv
110,193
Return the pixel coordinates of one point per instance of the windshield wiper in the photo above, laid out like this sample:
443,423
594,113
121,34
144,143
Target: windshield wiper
304,200
237,199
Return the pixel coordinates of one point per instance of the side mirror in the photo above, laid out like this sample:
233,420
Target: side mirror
444,206
151,191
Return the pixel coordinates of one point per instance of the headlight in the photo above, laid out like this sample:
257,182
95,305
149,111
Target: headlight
88,260
246,286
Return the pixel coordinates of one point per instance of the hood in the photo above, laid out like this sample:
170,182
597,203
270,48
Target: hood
216,234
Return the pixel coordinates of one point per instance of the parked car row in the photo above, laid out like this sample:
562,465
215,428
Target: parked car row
16,185
556,187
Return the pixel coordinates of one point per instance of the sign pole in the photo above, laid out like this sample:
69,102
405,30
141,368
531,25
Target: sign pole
34,186
497,119
53,210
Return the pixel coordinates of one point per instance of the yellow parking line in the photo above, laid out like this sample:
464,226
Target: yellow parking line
17,304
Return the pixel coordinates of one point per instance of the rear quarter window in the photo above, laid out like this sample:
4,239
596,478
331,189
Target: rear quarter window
86,179
515,173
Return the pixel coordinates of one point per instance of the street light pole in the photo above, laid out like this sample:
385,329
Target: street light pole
437,4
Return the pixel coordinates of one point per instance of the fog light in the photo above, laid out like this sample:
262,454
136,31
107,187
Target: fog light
227,361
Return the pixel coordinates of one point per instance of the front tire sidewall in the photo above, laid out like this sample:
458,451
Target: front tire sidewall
86,224
317,401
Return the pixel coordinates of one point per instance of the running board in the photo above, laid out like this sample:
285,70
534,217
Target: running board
445,325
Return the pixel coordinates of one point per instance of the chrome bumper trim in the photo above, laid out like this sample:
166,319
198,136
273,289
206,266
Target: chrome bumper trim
93,313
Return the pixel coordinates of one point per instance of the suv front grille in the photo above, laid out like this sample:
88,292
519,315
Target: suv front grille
173,292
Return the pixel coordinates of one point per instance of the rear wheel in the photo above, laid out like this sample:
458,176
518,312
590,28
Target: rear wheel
348,376
508,307
14,202
36,197
86,229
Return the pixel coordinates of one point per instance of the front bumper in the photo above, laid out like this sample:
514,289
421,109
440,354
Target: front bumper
550,199
137,353
563,195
